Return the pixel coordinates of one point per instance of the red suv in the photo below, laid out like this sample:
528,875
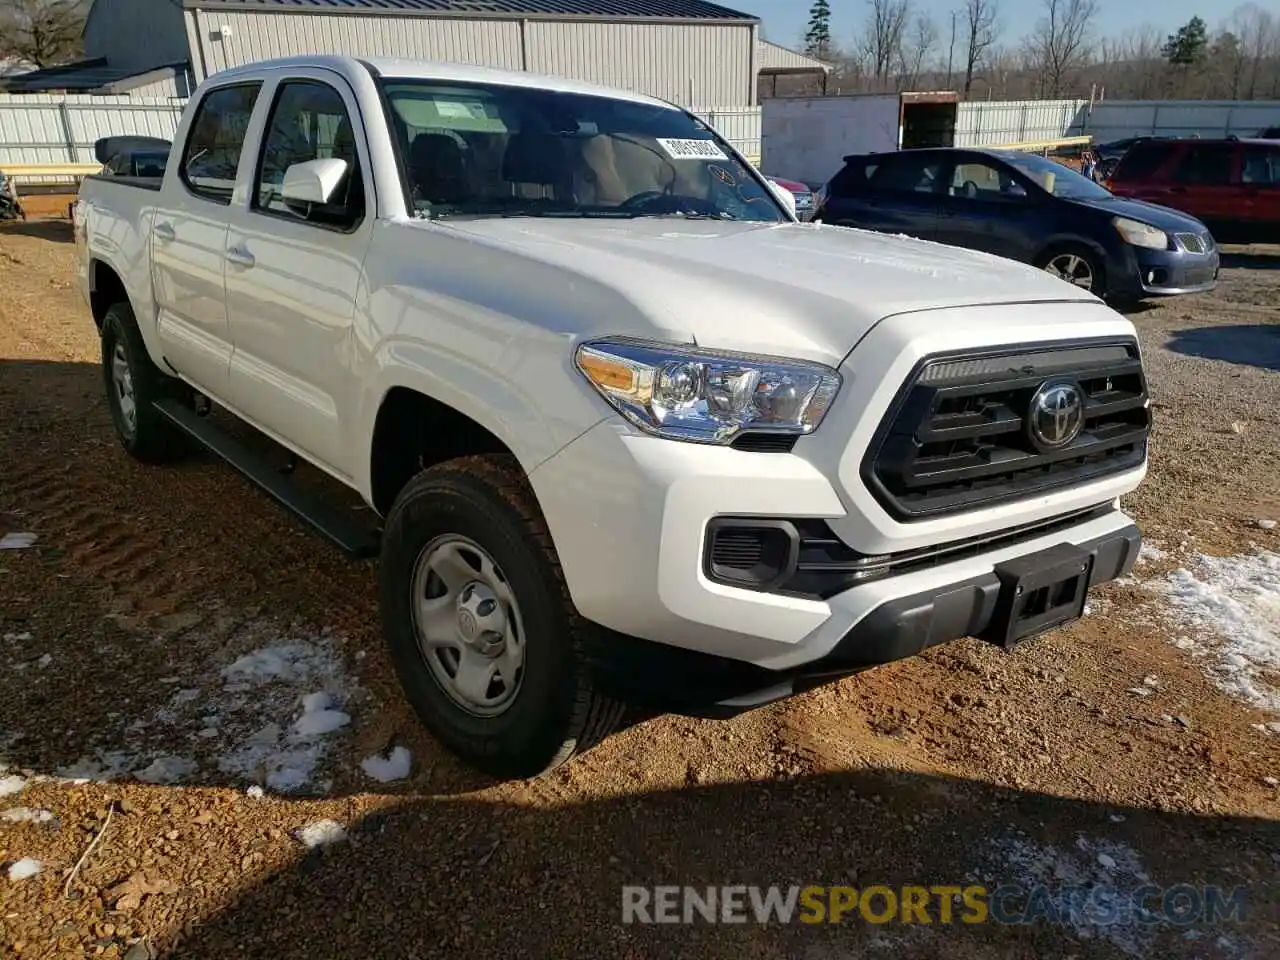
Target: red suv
1231,186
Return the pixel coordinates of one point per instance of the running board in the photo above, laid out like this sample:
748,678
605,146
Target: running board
347,534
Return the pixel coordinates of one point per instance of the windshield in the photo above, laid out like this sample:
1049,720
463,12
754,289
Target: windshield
481,150
1057,179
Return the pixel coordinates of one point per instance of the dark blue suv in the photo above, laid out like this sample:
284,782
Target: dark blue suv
1025,207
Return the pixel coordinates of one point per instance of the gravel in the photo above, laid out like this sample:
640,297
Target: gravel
147,587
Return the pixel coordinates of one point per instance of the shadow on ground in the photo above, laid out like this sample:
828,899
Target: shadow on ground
438,877
1250,260
122,625
56,230
1248,345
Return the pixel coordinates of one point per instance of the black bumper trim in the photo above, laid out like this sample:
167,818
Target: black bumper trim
677,680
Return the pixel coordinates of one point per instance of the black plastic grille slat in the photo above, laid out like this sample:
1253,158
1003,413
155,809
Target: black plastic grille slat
740,550
765,442
956,439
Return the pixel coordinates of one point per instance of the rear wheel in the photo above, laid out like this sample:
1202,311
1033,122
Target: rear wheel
133,385
484,638
1077,265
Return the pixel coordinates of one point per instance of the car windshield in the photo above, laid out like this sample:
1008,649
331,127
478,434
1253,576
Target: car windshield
1057,179
477,150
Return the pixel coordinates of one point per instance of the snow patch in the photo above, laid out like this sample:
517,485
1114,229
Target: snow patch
167,769
395,766
286,760
11,785
102,767
17,541
321,833
25,815
1109,870
1234,603
1150,551
24,868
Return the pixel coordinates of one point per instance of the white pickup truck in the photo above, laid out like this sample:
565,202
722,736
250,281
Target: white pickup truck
634,434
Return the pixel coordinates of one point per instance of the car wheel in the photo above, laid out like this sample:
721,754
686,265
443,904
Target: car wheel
487,644
133,385
1077,265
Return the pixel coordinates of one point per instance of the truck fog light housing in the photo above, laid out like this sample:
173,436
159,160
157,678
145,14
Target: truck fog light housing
707,396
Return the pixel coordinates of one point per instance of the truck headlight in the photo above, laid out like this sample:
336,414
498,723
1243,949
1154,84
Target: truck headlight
707,396
1140,234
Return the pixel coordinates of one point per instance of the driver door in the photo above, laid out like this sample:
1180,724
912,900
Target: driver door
294,274
986,207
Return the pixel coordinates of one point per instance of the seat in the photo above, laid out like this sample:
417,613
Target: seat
438,169
540,160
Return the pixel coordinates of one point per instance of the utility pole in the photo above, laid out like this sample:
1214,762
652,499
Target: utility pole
951,51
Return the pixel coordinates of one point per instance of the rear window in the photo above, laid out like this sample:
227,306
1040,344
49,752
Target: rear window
1142,161
853,178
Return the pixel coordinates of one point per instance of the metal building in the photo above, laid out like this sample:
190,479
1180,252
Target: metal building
134,47
693,52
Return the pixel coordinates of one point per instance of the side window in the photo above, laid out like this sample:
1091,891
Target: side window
212,152
1141,161
1208,164
309,121
981,181
1261,166
907,174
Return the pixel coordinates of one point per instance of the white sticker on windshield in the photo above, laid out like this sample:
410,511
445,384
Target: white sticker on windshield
691,149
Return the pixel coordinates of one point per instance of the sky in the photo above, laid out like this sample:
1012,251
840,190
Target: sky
785,20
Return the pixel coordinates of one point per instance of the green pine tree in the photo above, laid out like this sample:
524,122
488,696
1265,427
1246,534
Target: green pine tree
1188,46
817,40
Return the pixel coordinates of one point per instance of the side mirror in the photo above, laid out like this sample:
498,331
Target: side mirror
313,182
785,196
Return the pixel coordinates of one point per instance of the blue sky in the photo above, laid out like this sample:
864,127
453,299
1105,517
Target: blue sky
785,20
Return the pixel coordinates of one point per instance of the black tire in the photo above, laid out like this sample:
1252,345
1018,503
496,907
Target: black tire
151,438
556,712
1089,256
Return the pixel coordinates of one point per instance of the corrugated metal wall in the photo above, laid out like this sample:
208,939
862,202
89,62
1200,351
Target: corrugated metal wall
687,63
161,89
261,36
52,128
684,63
981,122
1114,119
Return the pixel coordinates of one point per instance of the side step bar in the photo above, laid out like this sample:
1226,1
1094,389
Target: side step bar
346,533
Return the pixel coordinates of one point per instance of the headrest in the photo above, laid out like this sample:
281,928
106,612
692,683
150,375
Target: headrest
436,149
538,158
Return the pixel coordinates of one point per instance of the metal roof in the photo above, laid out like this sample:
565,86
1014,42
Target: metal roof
86,76
504,9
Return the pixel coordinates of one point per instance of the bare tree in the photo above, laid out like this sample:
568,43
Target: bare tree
981,33
1059,43
916,48
41,32
1259,38
886,24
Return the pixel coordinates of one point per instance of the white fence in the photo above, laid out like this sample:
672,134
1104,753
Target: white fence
1114,119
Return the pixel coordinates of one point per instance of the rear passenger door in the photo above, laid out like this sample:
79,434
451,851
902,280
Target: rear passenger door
1260,185
891,193
188,237
1200,182
294,273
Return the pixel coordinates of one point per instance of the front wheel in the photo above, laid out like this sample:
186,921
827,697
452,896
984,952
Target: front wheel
1077,265
487,644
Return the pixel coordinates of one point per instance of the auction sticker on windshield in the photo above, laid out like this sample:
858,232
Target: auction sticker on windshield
691,149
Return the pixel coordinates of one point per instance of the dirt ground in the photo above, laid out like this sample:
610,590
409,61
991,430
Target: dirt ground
155,638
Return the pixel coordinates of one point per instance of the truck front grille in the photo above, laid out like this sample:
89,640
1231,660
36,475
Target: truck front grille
970,430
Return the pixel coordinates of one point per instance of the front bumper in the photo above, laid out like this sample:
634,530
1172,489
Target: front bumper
1166,273
684,681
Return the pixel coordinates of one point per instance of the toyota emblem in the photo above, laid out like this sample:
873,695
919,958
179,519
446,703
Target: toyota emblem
1056,416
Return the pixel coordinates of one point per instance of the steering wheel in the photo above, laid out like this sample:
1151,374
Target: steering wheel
658,201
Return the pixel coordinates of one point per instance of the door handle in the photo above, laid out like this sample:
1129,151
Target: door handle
1177,189
240,257
164,231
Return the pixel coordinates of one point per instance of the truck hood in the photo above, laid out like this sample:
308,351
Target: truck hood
803,290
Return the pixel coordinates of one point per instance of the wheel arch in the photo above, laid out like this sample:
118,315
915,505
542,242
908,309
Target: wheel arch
106,287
